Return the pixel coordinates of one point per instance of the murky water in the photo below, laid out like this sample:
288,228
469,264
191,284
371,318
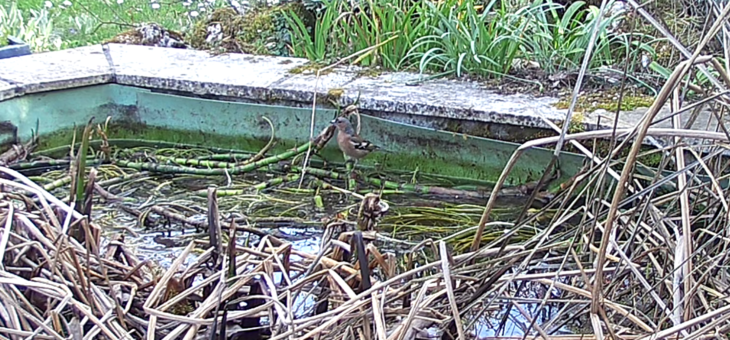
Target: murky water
291,215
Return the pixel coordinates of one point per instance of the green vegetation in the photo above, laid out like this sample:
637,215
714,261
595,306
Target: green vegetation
607,100
256,32
58,24
34,26
559,43
460,37
56,144
484,39
467,40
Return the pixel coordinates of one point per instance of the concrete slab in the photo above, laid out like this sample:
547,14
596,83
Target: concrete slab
452,105
199,72
399,92
57,70
8,90
705,120
300,87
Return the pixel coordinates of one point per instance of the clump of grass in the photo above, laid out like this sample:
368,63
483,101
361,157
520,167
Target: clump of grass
341,29
467,40
558,42
312,42
403,21
457,37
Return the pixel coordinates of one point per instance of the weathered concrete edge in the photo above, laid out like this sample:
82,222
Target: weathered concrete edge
18,89
520,115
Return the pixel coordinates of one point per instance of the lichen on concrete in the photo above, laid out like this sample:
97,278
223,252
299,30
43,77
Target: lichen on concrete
452,105
301,86
449,99
199,72
57,70
9,90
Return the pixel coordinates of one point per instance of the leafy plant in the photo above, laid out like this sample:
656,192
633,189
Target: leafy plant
465,40
381,20
342,29
559,42
313,44
37,31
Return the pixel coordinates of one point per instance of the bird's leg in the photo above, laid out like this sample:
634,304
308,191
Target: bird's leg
351,175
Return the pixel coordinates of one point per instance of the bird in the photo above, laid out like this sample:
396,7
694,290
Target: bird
351,144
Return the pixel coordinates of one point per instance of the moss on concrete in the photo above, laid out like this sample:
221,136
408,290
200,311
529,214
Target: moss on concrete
372,72
334,94
607,100
310,68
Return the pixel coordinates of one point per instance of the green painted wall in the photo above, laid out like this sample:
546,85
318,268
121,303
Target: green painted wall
141,113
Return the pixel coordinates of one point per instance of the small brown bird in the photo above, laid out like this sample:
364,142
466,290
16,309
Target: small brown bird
354,146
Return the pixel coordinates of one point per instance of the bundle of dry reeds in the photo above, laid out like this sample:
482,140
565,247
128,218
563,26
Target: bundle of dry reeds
58,287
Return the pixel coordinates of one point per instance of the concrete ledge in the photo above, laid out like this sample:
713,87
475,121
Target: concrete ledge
7,90
270,80
54,71
265,79
198,72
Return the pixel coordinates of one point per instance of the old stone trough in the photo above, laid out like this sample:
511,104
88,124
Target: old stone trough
443,127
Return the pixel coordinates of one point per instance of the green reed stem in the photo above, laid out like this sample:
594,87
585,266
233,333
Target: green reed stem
57,183
196,162
165,168
134,143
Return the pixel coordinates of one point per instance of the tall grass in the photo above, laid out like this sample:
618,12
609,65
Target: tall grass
342,29
558,42
381,20
460,37
466,40
314,44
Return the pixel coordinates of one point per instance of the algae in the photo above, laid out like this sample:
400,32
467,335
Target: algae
138,131
372,72
460,172
310,68
606,100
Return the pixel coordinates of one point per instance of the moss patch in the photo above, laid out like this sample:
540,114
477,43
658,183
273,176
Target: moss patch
134,134
150,34
372,72
335,94
260,31
310,68
607,100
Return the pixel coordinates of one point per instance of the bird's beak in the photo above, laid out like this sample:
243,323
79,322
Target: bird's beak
333,121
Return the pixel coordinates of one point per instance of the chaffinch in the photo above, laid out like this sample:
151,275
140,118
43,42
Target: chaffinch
350,142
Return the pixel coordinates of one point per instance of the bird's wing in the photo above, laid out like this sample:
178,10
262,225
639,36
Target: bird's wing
361,144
